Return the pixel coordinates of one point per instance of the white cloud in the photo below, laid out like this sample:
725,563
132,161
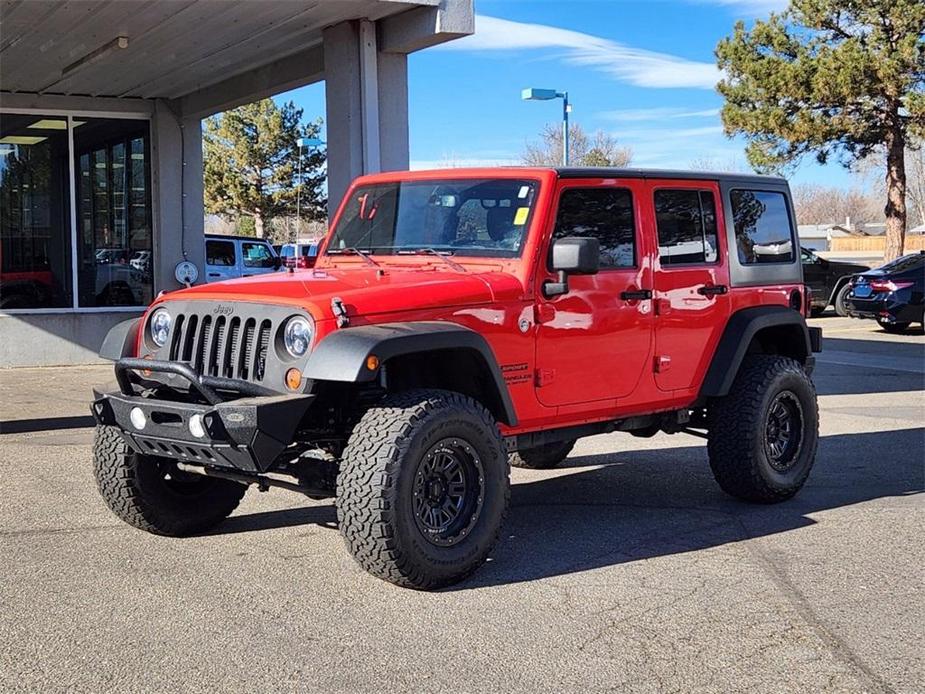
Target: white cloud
629,115
624,63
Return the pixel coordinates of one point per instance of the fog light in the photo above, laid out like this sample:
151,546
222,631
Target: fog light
196,426
293,379
138,418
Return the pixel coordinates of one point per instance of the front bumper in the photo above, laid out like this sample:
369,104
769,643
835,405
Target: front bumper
247,433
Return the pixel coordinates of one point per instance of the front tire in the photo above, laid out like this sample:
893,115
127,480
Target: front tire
542,457
423,488
763,435
151,494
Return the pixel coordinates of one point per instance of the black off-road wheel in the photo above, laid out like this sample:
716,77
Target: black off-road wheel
423,488
542,457
763,434
152,494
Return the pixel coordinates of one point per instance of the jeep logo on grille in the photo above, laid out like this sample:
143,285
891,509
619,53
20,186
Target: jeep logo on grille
223,310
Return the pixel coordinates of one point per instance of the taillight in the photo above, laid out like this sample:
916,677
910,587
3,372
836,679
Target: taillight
302,263
888,285
807,301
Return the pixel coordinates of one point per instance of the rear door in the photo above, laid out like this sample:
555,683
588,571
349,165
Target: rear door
221,261
691,279
816,274
594,342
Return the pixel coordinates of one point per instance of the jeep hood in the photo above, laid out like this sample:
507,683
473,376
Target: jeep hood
364,291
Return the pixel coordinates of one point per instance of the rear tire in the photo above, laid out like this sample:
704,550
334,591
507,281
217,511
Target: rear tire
841,308
151,494
542,457
423,488
894,328
763,435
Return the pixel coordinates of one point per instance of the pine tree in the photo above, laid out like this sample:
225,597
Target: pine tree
251,164
830,78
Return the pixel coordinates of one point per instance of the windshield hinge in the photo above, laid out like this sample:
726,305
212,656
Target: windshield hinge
340,312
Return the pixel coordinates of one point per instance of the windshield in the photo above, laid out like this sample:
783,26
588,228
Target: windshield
467,217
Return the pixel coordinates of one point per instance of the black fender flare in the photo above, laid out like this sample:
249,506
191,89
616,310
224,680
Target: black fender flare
342,355
741,328
120,340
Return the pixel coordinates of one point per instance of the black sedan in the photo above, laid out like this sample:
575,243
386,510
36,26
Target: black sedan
829,281
893,294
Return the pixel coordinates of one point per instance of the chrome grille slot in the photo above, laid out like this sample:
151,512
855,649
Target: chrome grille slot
203,343
247,348
230,356
260,354
216,351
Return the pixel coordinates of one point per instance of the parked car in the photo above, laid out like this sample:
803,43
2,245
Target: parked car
893,294
228,257
459,322
829,281
299,255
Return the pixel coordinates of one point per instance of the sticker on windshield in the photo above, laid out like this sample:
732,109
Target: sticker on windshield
524,192
520,218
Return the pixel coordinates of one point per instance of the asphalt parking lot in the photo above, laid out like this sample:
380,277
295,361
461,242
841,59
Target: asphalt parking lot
625,569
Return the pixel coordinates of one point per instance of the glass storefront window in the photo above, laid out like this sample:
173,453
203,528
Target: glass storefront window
114,217
111,246
35,224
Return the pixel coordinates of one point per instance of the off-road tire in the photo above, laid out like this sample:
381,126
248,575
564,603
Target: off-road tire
841,308
739,425
134,489
894,328
378,473
542,457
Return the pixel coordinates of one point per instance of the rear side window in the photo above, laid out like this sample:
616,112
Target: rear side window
257,255
309,251
220,253
602,213
686,221
762,225
286,252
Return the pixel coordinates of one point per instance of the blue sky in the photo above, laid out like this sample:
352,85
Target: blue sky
642,71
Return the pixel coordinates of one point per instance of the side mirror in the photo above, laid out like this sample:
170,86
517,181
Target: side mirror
573,255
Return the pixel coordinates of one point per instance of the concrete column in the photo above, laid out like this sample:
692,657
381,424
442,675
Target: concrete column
176,170
366,106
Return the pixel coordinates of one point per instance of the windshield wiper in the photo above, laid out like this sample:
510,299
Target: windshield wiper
353,250
434,252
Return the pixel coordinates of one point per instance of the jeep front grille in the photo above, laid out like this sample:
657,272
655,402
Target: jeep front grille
222,345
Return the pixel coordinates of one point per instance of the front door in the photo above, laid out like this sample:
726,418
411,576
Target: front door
593,343
691,280
221,260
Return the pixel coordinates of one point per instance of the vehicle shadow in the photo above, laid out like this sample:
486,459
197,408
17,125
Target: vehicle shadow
851,366
653,503
602,510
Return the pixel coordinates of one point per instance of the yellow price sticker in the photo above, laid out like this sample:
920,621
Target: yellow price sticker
520,218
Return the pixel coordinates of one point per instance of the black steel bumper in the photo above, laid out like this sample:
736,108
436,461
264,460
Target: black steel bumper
245,433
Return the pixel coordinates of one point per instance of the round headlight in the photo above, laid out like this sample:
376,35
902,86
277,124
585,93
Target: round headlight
160,326
297,336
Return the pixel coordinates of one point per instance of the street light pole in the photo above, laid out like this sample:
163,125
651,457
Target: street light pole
533,94
565,110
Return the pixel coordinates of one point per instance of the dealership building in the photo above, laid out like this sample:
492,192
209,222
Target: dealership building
101,104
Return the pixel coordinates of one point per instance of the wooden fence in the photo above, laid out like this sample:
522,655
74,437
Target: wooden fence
875,244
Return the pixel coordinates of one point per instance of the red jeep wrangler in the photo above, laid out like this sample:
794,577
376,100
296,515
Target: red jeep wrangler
459,322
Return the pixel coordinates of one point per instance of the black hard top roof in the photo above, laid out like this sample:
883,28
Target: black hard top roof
613,172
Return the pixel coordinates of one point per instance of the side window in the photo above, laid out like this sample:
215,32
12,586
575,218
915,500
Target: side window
686,221
286,251
604,213
220,253
763,228
257,255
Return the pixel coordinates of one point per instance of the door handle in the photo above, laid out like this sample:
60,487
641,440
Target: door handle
713,289
214,274
636,294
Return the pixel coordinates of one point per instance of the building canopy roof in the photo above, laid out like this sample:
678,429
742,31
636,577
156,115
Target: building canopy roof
112,48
